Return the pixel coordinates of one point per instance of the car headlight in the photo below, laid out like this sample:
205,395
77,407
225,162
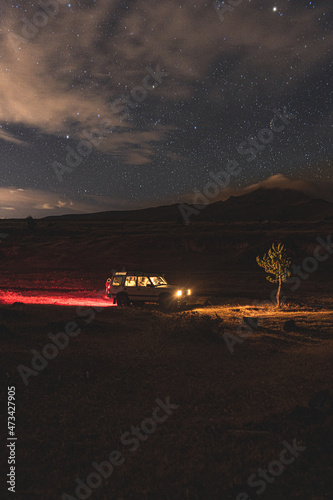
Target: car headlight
188,292
179,293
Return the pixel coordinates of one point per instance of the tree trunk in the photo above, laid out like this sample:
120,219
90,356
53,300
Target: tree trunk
279,291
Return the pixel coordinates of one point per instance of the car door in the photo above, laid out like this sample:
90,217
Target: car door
145,288
130,287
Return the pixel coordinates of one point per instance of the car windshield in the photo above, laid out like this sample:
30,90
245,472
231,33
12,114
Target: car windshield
157,280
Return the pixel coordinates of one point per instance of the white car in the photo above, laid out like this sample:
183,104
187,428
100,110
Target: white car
135,286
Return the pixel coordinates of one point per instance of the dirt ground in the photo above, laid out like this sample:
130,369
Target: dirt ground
240,392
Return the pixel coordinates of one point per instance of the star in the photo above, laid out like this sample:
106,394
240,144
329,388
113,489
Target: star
275,9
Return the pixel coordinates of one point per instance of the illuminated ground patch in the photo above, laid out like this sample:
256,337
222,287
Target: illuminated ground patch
64,299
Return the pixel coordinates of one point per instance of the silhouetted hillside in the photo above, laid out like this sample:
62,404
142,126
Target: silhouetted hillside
260,205
269,204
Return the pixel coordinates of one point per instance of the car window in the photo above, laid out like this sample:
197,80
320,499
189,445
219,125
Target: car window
117,280
143,281
130,281
158,280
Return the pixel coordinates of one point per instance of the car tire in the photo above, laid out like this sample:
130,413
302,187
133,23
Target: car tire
123,300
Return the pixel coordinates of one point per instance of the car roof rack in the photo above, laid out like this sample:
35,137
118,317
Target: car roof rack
134,273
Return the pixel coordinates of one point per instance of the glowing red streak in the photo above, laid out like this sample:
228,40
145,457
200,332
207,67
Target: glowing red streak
55,299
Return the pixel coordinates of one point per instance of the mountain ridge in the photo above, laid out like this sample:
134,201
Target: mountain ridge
277,203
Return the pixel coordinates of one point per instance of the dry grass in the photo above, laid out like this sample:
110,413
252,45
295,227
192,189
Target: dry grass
234,409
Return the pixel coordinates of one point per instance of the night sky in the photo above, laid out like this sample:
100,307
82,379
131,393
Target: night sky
119,105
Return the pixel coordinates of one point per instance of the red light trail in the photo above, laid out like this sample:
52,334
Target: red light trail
58,299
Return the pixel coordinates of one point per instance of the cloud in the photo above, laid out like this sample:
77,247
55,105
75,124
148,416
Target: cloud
135,147
50,83
65,75
314,189
20,203
8,137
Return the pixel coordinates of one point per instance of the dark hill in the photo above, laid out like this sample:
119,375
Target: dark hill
260,205
269,204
